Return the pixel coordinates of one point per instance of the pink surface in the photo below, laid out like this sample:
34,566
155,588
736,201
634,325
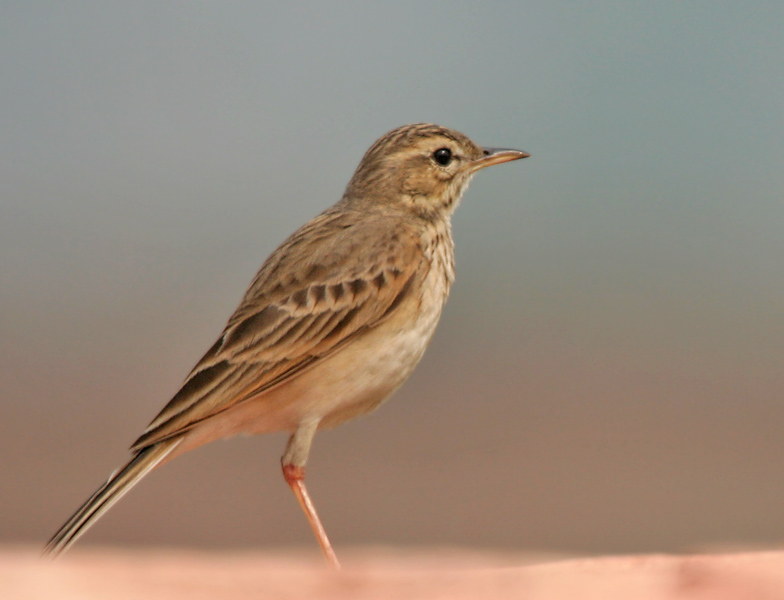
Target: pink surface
385,574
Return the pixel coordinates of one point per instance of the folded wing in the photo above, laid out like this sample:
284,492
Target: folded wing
338,286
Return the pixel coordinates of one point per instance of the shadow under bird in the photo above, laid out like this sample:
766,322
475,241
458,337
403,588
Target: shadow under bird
333,323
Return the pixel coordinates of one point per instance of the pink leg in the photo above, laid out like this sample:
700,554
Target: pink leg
295,477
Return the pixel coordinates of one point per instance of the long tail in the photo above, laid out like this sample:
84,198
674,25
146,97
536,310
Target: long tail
110,492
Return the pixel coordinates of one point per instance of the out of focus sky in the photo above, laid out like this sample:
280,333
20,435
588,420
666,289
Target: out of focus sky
607,376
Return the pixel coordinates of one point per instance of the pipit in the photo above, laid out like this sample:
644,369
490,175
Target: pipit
333,323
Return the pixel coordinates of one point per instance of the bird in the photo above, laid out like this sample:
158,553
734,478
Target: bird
332,324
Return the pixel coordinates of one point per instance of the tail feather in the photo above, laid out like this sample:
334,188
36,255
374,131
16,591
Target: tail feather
110,492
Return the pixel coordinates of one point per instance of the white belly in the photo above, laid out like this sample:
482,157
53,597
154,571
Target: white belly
368,370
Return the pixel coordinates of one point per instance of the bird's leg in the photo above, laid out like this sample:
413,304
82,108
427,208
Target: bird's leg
293,464
295,477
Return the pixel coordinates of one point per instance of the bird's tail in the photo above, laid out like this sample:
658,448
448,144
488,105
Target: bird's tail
110,492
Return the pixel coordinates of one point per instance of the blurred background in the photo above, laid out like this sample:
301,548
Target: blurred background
607,376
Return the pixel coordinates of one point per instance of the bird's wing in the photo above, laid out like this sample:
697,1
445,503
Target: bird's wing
322,287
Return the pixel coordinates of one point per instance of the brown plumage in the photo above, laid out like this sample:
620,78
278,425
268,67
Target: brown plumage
335,320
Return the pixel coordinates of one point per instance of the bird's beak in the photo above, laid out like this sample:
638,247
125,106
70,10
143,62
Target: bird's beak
496,156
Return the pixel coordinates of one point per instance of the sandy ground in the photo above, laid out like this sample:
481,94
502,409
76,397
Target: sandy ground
113,574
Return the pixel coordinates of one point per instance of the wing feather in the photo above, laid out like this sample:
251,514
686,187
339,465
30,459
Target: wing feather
311,296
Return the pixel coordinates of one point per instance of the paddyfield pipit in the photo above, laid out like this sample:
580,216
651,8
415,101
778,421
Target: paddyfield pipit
332,324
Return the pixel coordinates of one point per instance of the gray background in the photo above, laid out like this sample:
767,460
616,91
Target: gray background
607,376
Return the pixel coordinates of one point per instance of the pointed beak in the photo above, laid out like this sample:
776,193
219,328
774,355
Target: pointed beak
496,156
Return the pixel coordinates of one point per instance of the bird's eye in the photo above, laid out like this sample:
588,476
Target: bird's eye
443,156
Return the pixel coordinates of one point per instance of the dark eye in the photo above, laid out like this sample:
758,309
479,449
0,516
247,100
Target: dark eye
443,156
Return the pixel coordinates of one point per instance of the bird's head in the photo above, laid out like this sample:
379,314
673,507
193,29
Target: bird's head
424,167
